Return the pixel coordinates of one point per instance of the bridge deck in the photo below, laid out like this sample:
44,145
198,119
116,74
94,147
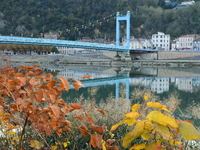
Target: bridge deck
61,43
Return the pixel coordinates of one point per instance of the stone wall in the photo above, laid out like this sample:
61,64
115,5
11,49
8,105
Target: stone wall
181,55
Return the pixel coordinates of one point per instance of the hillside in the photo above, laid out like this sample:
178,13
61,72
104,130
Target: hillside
147,17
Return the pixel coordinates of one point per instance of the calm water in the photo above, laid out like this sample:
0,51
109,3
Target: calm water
185,82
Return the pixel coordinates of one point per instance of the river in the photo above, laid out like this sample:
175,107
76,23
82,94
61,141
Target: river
178,87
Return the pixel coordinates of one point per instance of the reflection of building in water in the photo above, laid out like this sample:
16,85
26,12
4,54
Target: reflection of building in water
136,81
160,85
72,74
184,84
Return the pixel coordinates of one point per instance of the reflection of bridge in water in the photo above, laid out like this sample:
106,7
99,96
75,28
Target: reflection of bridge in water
184,80
119,78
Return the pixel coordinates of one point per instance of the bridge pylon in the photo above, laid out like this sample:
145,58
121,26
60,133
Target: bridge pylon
127,19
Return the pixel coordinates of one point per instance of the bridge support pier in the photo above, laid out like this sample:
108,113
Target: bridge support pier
122,57
117,57
127,57
127,19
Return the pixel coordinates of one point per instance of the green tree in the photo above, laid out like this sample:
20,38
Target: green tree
54,49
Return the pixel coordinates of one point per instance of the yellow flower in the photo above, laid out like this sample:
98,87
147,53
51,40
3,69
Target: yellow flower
145,97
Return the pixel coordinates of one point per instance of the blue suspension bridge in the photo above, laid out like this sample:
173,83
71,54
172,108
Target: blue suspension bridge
77,44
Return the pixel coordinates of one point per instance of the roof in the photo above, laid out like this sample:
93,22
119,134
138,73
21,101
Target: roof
190,35
140,40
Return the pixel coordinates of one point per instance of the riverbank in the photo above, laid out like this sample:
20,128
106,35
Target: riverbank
96,60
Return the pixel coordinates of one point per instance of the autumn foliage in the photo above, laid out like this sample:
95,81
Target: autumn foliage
158,130
31,100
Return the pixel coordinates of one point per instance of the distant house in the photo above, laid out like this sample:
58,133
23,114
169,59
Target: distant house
161,41
186,41
197,44
51,35
138,43
65,50
184,5
175,44
85,39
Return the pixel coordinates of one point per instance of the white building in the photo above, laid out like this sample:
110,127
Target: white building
161,41
197,44
185,84
68,50
160,85
138,43
186,41
51,35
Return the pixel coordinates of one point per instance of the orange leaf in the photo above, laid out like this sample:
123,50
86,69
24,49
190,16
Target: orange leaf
33,81
95,140
60,101
22,79
158,147
30,73
75,106
79,117
51,84
112,147
102,112
111,141
19,75
99,129
181,147
65,83
39,95
56,110
83,129
89,119
87,76
36,72
36,66
77,84
26,67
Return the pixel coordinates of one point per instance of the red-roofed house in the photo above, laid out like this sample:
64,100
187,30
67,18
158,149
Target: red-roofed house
186,41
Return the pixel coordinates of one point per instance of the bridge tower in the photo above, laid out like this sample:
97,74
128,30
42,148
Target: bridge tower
127,19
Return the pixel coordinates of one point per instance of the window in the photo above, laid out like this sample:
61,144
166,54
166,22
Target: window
160,40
